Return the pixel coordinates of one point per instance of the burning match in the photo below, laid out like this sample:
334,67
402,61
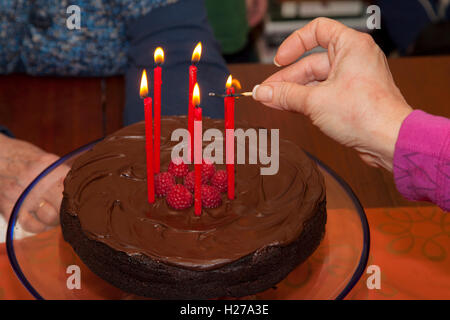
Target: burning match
243,94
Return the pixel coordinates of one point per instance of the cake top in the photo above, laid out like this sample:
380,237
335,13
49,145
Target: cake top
107,190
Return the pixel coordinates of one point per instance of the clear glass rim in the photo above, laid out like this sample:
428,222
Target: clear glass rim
364,224
23,279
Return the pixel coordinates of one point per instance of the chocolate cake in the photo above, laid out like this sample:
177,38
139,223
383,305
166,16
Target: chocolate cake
242,247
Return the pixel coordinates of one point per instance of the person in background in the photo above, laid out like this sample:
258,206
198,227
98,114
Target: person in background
232,22
116,37
349,93
414,27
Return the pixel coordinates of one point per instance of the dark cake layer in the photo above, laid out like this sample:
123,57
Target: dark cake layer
144,276
105,195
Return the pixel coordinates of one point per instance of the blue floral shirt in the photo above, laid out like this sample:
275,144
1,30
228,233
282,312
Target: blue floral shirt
34,37
116,37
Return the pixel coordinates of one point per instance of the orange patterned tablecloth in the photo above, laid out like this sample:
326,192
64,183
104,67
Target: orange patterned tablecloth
410,245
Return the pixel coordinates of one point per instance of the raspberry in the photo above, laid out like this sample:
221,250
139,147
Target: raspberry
220,180
164,181
179,198
189,181
178,168
208,170
210,197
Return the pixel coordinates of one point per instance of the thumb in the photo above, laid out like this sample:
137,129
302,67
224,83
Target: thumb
283,95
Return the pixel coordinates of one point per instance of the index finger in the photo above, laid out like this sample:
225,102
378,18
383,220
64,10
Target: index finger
54,193
319,32
314,67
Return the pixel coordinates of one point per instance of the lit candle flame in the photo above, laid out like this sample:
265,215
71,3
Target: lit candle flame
233,83
159,56
143,92
196,55
229,82
196,95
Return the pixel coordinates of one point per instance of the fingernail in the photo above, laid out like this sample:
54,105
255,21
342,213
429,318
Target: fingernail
254,91
276,63
263,93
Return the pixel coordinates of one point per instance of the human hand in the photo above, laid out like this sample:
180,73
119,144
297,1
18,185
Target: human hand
348,91
256,10
20,163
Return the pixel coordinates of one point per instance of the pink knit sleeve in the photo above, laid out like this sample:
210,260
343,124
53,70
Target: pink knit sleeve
422,159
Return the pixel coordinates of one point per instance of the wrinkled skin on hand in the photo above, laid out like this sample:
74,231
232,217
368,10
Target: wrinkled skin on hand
348,91
20,163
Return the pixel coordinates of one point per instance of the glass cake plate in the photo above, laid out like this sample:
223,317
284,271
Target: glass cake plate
44,262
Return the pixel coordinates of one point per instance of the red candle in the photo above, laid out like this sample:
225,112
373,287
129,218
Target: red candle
198,148
229,137
192,81
148,137
159,59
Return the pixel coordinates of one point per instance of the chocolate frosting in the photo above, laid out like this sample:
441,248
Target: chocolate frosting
107,189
